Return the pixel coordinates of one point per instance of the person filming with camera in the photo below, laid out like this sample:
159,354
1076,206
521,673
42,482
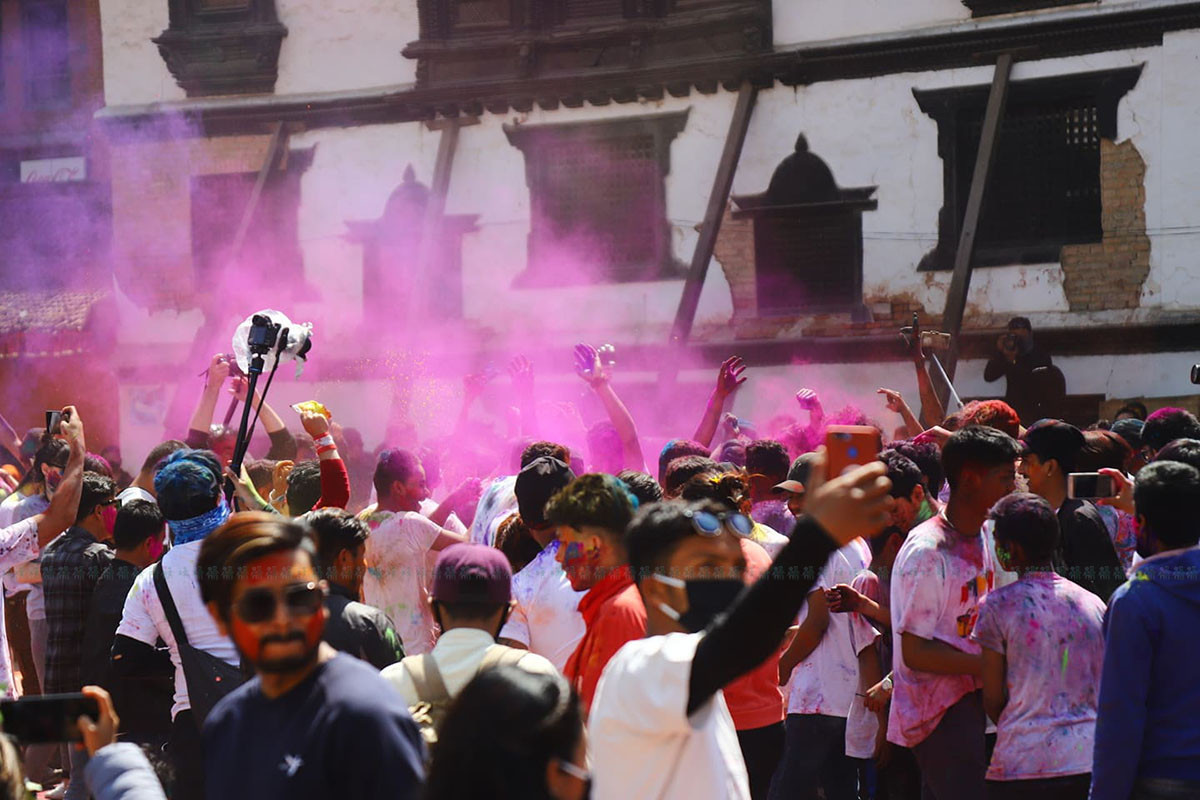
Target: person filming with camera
1017,357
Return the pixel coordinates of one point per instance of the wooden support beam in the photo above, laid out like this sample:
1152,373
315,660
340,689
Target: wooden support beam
722,184
274,149
956,298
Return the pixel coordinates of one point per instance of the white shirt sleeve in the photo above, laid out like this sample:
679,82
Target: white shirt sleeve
136,622
919,595
423,531
646,684
517,627
18,543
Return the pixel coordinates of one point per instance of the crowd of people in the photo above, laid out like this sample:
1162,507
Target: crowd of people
948,620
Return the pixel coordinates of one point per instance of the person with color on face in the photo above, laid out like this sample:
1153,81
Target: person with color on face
400,539
312,723
942,572
1043,648
591,514
659,724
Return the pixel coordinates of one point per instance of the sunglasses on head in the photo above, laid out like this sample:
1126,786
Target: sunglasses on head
707,523
300,600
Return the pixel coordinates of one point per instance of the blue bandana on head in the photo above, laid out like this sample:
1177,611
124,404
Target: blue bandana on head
196,528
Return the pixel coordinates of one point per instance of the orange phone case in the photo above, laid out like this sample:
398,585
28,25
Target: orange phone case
849,445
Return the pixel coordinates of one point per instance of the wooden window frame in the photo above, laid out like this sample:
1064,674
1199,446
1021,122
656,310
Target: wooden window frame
1104,89
233,50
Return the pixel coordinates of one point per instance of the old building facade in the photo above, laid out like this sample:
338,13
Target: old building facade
504,174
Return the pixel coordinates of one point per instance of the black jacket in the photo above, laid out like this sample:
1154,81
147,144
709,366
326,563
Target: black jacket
143,704
360,630
1023,391
1086,554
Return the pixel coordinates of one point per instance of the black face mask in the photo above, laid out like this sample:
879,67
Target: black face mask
706,599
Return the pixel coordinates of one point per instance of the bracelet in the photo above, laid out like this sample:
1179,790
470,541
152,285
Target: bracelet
329,448
326,440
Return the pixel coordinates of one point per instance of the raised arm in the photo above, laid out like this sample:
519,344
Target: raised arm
473,386
728,380
11,442
597,377
201,422
65,503
521,373
466,493
335,481
283,444
853,505
896,403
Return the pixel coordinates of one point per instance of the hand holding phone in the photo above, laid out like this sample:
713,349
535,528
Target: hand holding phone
48,718
1090,486
850,445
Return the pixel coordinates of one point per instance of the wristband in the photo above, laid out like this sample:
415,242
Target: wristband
324,441
329,448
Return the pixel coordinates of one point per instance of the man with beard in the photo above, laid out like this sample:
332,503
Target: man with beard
312,723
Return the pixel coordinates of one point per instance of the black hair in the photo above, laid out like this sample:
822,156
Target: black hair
1020,323
1103,449
684,469
657,530
335,530
1138,410
1185,451
245,537
602,437
1168,424
52,453
729,489
677,448
732,452
536,450
977,445
593,499
642,485
508,724
903,472
514,540
155,457
464,611
97,490
304,487
1167,496
768,457
928,459
1027,520
394,465
137,521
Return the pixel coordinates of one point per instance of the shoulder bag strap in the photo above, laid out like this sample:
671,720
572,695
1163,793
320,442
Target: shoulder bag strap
427,679
499,655
168,606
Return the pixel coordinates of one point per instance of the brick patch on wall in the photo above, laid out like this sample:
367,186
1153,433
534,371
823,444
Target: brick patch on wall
1110,273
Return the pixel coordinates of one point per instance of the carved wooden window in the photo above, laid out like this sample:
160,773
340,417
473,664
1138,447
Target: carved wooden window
222,46
598,199
46,41
1044,188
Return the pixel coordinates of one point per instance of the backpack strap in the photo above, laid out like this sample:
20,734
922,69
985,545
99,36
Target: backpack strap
427,679
168,606
499,655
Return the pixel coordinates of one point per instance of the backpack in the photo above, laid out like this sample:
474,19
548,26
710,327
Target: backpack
434,698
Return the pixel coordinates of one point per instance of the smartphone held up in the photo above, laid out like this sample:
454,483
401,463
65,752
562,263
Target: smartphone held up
849,446
1090,486
46,719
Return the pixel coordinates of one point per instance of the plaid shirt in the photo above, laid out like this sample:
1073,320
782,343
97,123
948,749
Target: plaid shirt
71,567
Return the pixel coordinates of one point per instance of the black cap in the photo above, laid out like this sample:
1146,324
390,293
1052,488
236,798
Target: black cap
797,477
1053,439
536,484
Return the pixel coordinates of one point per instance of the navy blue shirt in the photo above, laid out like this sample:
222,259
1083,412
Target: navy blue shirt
343,732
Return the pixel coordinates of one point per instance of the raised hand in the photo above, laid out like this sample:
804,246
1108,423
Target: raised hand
218,371
936,435
521,373
589,366
474,384
895,402
315,423
71,427
808,400
1123,499
730,377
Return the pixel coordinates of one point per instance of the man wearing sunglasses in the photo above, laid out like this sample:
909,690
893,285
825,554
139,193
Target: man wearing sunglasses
659,724
312,723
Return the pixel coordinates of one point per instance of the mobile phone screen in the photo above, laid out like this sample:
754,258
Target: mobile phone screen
47,718
1089,485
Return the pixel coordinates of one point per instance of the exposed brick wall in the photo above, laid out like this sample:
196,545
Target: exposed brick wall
1110,274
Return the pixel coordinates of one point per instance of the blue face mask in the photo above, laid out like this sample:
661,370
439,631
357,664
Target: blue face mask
706,599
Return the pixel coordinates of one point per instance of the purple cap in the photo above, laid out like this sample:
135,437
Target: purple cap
472,573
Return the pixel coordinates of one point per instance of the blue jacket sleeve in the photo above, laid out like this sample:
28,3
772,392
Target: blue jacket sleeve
1124,684
121,772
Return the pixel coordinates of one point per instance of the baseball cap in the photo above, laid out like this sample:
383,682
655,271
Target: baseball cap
1053,439
797,475
536,484
1130,430
472,573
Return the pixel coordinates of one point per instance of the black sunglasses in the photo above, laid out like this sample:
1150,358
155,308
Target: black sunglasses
300,600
